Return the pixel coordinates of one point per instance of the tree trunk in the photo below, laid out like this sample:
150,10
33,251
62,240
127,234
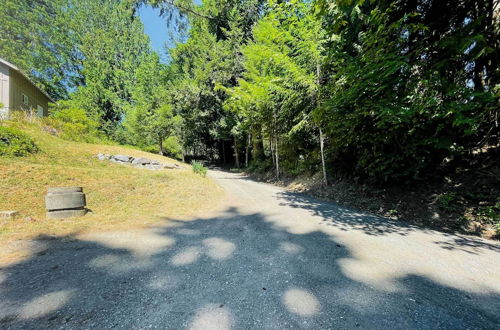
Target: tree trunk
276,147
277,159
162,150
321,144
321,137
247,151
272,149
236,158
256,147
257,144
223,152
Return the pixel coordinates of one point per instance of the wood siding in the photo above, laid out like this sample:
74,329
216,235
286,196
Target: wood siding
4,91
19,85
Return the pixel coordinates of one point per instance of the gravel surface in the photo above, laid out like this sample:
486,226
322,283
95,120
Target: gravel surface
268,259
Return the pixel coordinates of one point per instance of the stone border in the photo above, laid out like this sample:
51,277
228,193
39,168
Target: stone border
139,162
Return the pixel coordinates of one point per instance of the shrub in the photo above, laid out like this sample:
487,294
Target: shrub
173,147
14,142
198,168
446,201
491,214
151,148
74,125
260,166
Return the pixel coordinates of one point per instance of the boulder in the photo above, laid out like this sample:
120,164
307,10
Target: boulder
121,158
141,161
153,166
103,157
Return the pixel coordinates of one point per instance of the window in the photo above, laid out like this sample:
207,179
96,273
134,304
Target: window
39,110
26,100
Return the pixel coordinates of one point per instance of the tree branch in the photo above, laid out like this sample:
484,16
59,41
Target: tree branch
186,9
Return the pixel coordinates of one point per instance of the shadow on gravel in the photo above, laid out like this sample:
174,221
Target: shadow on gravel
334,214
346,219
343,218
468,245
234,271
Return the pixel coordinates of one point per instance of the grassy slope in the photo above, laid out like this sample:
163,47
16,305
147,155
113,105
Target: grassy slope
120,197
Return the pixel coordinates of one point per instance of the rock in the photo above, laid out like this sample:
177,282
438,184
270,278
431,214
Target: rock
153,167
103,157
10,215
171,166
141,161
121,158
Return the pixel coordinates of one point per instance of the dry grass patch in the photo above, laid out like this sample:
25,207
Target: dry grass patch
120,197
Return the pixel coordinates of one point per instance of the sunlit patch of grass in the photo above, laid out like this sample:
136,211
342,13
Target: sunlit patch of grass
120,197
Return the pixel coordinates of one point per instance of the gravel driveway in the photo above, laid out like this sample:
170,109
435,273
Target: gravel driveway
268,259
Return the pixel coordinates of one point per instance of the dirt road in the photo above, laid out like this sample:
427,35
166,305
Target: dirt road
268,259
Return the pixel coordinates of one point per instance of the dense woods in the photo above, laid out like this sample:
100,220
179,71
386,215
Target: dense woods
378,90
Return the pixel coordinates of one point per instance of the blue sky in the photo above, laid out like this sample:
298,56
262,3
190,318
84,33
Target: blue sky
157,29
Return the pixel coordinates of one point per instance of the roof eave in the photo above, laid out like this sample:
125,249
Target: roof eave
13,67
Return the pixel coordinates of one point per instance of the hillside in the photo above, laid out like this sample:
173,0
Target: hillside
119,196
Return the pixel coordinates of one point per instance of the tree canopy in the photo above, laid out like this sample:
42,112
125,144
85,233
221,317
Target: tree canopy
381,90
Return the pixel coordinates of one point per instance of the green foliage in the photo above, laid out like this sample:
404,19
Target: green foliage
173,147
73,124
393,88
50,58
280,86
211,57
402,100
198,168
14,142
87,50
151,148
151,117
260,165
446,201
114,48
491,214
